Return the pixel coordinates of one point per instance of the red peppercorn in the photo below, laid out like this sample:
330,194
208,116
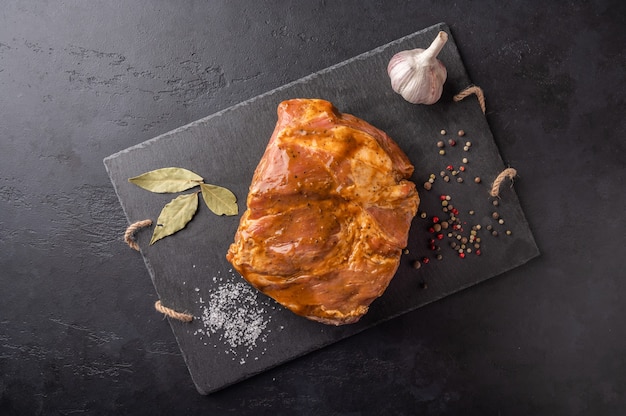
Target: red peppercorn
452,142
462,168
442,197
435,220
439,236
425,260
462,255
478,252
455,211
450,167
431,230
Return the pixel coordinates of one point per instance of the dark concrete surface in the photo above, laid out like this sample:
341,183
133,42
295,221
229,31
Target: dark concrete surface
82,80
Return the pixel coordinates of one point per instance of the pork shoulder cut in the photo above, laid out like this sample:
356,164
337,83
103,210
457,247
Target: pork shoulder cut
328,213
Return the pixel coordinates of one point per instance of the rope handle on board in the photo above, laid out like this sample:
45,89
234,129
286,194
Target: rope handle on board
129,234
184,317
472,89
508,173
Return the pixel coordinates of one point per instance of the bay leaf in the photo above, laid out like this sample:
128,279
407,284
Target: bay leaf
175,215
219,200
167,180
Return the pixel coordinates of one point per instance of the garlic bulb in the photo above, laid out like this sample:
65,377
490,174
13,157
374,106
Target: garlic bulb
417,75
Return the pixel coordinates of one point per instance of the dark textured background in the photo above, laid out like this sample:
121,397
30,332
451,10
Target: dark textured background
82,80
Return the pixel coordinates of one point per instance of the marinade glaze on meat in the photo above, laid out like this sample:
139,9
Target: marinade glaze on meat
329,211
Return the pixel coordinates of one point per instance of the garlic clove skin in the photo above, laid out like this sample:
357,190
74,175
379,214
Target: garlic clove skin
417,75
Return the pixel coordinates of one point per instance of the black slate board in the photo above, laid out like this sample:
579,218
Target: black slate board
238,332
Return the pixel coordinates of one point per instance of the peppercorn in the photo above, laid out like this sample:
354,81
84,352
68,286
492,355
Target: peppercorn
495,203
440,144
416,264
442,152
495,215
459,180
452,142
461,133
427,186
442,132
477,179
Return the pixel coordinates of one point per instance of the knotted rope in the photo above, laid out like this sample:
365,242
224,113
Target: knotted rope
130,233
184,317
508,173
472,89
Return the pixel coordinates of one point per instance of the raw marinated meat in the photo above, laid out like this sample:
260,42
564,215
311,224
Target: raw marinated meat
329,211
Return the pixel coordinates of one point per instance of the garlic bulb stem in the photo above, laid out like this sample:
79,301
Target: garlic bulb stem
417,74
436,46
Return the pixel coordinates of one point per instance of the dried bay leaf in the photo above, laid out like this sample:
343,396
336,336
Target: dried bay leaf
167,180
175,215
219,200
